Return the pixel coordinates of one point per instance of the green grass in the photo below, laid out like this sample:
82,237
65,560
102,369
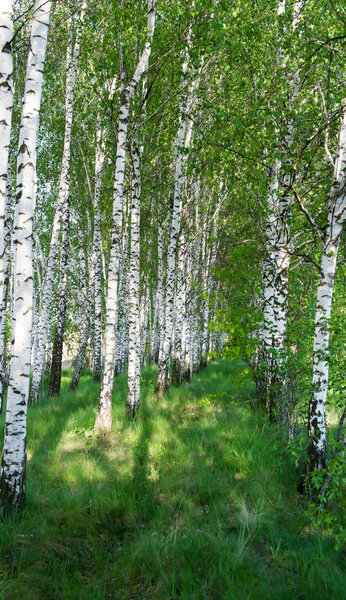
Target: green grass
187,503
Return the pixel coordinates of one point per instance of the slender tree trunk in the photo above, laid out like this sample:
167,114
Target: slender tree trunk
186,335
336,218
121,336
83,343
5,277
103,421
6,103
162,383
87,304
160,288
97,338
72,64
137,344
177,366
12,478
60,213
208,286
55,370
271,378
133,385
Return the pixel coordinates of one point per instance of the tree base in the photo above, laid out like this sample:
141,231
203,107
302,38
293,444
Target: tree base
12,498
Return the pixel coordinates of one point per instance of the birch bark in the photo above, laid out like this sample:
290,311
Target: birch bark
97,341
61,213
336,218
208,286
13,467
87,297
271,384
71,76
162,383
135,343
133,385
55,369
6,104
160,285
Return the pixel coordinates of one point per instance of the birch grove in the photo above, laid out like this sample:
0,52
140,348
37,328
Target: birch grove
172,192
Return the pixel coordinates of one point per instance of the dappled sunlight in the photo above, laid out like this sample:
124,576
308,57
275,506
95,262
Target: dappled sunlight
188,487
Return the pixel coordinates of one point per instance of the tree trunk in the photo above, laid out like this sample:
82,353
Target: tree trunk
103,423
55,370
12,478
336,218
71,76
6,104
63,199
97,338
162,383
133,385
87,304
178,363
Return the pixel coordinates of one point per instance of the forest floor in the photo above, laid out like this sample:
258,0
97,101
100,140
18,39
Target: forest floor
193,500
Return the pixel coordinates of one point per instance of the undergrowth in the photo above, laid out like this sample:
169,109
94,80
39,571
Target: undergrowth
187,503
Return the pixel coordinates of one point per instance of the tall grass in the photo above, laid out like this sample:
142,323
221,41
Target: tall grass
187,502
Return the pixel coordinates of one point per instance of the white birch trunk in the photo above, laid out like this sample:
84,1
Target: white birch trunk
12,478
136,342
5,280
153,324
160,290
133,384
6,103
60,211
336,219
121,338
103,421
87,297
122,312
71,76
275,268
208,286
144,322
205,266
178,363
162,383
272,364
97,267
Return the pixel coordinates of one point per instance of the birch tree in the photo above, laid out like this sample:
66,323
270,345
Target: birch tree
103,421
13,467
335,223
6,103
71,76
96,260
135,350
87,306
61,216
162,382
133,385
278,251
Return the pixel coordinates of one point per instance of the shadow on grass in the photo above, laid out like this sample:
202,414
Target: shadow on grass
187,502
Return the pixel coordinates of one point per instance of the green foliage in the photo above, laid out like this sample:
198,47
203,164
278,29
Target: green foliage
187,503
327,512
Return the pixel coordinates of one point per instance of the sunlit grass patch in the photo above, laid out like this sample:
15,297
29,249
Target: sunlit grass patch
186,503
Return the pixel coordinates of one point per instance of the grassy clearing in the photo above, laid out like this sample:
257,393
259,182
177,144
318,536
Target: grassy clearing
188,502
